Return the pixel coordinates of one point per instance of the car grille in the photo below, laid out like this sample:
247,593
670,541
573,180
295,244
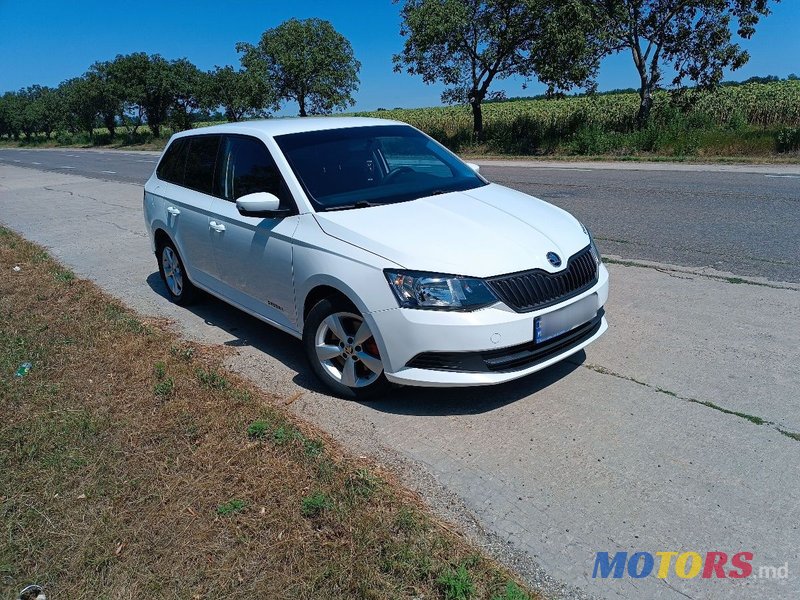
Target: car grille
532,290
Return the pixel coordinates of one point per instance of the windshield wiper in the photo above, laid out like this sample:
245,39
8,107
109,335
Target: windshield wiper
359,204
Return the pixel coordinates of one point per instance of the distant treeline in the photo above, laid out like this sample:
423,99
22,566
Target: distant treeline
137,90
124,94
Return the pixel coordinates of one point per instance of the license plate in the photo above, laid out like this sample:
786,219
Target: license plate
565,319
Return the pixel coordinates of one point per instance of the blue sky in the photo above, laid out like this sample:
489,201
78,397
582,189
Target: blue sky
47,41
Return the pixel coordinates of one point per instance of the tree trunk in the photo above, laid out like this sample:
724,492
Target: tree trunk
302,103
110,123
155,130
645,104
475,100
477,119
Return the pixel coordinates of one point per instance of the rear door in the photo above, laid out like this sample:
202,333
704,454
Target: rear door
253,256
186,179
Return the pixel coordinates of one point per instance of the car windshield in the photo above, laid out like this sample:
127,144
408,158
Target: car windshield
365,166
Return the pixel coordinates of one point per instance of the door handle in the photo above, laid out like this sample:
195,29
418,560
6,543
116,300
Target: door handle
173,211
217,226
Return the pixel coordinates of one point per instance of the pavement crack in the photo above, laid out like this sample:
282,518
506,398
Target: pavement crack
756,420
723,278
676,590
85,197
125,229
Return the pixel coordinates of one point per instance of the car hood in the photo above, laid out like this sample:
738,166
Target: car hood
491,230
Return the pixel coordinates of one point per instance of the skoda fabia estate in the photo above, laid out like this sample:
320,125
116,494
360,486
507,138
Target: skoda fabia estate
390,258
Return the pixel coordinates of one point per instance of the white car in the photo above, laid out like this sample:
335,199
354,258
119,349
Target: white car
392,260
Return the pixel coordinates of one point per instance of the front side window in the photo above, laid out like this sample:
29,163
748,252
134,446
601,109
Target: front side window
246,167
200,160
361,166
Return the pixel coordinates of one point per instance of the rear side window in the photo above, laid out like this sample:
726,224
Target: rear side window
200,161
246,167
173,162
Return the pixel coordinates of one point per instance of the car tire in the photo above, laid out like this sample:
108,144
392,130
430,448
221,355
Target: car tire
173,274
342,350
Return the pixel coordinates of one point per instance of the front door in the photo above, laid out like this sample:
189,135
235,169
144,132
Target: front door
253,256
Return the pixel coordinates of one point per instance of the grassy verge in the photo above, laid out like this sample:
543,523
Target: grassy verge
132,465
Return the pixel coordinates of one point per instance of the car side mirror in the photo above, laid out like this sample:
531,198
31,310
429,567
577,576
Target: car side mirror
474,167
260,204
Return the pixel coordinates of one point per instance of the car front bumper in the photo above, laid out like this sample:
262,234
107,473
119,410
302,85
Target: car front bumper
484,347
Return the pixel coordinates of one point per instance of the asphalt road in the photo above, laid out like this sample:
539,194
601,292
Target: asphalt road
743,220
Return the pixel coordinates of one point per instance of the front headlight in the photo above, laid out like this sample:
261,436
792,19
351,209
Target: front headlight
593,247
445,292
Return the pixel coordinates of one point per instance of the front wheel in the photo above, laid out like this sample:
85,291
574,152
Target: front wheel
342,350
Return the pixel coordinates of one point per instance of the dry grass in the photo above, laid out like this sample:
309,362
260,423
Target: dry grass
133,466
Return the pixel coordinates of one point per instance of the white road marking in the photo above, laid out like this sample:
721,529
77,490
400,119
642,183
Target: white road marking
15,160
784,176
65,167
146,161
35,163
109,172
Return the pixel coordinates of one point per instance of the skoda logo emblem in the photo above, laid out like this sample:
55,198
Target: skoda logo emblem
554,259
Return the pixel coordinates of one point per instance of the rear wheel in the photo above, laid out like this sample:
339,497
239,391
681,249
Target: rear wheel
342,350
180,289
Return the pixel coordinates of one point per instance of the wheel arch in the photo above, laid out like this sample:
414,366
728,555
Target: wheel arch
161,237
322,291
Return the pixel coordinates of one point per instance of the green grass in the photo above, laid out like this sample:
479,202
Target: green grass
313,505
212,380
257,429
512,592
456,584
231,507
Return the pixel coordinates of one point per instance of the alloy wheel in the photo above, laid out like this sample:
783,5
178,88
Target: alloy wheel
347,351
173,274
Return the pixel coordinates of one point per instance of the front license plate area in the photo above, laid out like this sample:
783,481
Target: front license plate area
565,319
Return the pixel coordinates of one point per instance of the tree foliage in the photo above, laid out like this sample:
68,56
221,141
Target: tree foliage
695,37
468,44
241,94
308,61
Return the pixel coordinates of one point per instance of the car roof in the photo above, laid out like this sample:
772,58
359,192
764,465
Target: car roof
282,126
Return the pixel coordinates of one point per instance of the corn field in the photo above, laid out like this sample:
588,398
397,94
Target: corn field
538,126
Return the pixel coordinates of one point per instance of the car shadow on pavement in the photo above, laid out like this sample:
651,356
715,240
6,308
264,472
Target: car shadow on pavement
433,402
243,328
413,401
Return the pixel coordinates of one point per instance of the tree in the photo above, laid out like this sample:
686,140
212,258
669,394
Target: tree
108,91
31,110
50,111
159,91
468,44
10,115
189,85
80,104
693,35
241,94
307,61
